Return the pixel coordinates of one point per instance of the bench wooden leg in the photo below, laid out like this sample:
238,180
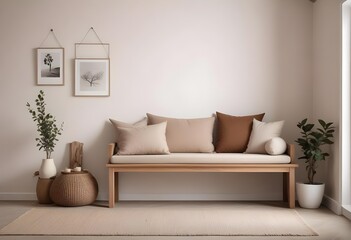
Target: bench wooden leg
111,188
116,187
285,187
292,188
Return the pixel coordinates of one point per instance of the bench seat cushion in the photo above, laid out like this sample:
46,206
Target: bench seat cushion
201,158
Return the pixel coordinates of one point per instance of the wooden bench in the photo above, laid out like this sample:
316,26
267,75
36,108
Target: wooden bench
288,171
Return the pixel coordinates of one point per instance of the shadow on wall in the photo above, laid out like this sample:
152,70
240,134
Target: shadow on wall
65,163
34,65
95,156
73,76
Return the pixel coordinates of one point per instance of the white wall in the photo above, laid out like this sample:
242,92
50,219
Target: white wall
180,58
327,84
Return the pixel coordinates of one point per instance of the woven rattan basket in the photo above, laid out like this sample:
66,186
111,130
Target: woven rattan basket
74,189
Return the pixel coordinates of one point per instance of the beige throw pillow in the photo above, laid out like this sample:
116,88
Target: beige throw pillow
187,135
117,124
143,140
261,133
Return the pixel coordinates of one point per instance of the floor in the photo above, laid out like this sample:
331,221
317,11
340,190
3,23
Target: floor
328,225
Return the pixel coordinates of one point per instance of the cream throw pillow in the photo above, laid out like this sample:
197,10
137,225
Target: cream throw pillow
275,146
143,140
261,133
187,135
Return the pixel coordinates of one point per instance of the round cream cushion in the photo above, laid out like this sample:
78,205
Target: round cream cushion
275,146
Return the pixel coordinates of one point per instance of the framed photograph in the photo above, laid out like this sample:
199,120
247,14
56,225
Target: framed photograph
92,77
50,63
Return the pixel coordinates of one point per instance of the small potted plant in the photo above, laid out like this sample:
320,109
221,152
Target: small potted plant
48,132
310,194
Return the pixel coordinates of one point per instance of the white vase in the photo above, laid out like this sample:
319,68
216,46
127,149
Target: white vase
47,169
310,195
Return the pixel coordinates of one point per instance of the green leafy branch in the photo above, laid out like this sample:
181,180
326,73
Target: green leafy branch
46,125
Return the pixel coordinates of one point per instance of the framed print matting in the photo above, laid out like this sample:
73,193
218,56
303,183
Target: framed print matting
92,77
50,66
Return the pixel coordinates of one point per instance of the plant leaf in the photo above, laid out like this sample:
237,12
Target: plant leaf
322,123
308,127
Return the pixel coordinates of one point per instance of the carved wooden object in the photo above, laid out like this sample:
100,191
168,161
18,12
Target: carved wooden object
76,155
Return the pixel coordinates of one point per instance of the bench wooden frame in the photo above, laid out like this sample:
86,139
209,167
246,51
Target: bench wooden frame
288,171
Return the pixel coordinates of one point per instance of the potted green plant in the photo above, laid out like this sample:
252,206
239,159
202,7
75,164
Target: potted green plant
310,194
48,132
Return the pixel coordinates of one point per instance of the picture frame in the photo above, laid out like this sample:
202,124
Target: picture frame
50,66
92,77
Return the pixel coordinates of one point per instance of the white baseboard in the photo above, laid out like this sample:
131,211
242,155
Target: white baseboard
17,196
201,197
24,196
346,211
333,205
103,196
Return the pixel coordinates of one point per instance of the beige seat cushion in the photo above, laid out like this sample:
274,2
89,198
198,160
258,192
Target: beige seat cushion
201,158
187,135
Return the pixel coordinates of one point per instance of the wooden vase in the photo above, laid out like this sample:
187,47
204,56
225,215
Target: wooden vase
43,190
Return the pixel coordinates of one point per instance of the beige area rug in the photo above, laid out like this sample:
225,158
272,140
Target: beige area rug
162,219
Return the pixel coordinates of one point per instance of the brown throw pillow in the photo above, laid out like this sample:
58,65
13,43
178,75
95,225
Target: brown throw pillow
234,132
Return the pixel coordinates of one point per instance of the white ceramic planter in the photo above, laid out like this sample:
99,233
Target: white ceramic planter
47,169
310,195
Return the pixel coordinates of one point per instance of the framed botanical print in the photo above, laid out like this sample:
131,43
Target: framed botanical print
92,77
50,66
